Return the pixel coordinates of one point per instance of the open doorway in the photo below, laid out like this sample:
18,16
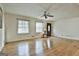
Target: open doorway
48,29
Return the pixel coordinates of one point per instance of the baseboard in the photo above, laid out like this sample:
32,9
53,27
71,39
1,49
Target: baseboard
73,38
67,37
1,48
24,39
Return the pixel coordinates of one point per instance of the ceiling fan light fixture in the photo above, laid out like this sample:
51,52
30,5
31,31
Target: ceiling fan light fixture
46,15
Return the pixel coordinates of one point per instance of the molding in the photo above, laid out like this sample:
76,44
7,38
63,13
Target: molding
67,37
73,38
28,38
1,48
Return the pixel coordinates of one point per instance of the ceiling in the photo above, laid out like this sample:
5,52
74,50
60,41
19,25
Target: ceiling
58,10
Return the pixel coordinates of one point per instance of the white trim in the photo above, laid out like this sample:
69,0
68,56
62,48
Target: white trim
67,37
74,38
1,48
27,38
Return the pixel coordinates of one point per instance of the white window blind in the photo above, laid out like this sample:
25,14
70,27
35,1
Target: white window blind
23,26
39,27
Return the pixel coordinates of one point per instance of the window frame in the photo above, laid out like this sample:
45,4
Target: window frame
35,26
18,19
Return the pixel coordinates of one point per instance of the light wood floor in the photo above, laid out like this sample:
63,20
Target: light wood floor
43,47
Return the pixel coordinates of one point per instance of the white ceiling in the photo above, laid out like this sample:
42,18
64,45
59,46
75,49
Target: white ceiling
59,10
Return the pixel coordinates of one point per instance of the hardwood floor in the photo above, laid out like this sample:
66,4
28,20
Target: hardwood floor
43,47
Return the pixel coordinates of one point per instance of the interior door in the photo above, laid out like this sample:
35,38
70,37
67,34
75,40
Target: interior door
48,29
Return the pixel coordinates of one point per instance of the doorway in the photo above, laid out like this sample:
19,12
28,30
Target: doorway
48,29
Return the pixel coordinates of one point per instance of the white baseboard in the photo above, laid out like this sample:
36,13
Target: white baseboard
74,38
1,48
19,39
68,37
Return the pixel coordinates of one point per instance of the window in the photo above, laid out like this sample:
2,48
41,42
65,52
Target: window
23,26
39,27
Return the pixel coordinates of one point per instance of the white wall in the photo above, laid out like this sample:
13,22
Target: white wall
67,28
11,27
2,36
0,39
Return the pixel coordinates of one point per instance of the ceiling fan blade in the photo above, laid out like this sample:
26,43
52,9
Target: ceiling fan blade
50,15
45,16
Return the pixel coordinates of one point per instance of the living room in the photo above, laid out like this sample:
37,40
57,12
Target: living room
39,28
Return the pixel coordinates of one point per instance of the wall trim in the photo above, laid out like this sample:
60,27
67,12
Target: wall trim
67,37
1,48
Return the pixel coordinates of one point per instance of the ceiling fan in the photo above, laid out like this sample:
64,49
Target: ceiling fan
46,15
46,9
